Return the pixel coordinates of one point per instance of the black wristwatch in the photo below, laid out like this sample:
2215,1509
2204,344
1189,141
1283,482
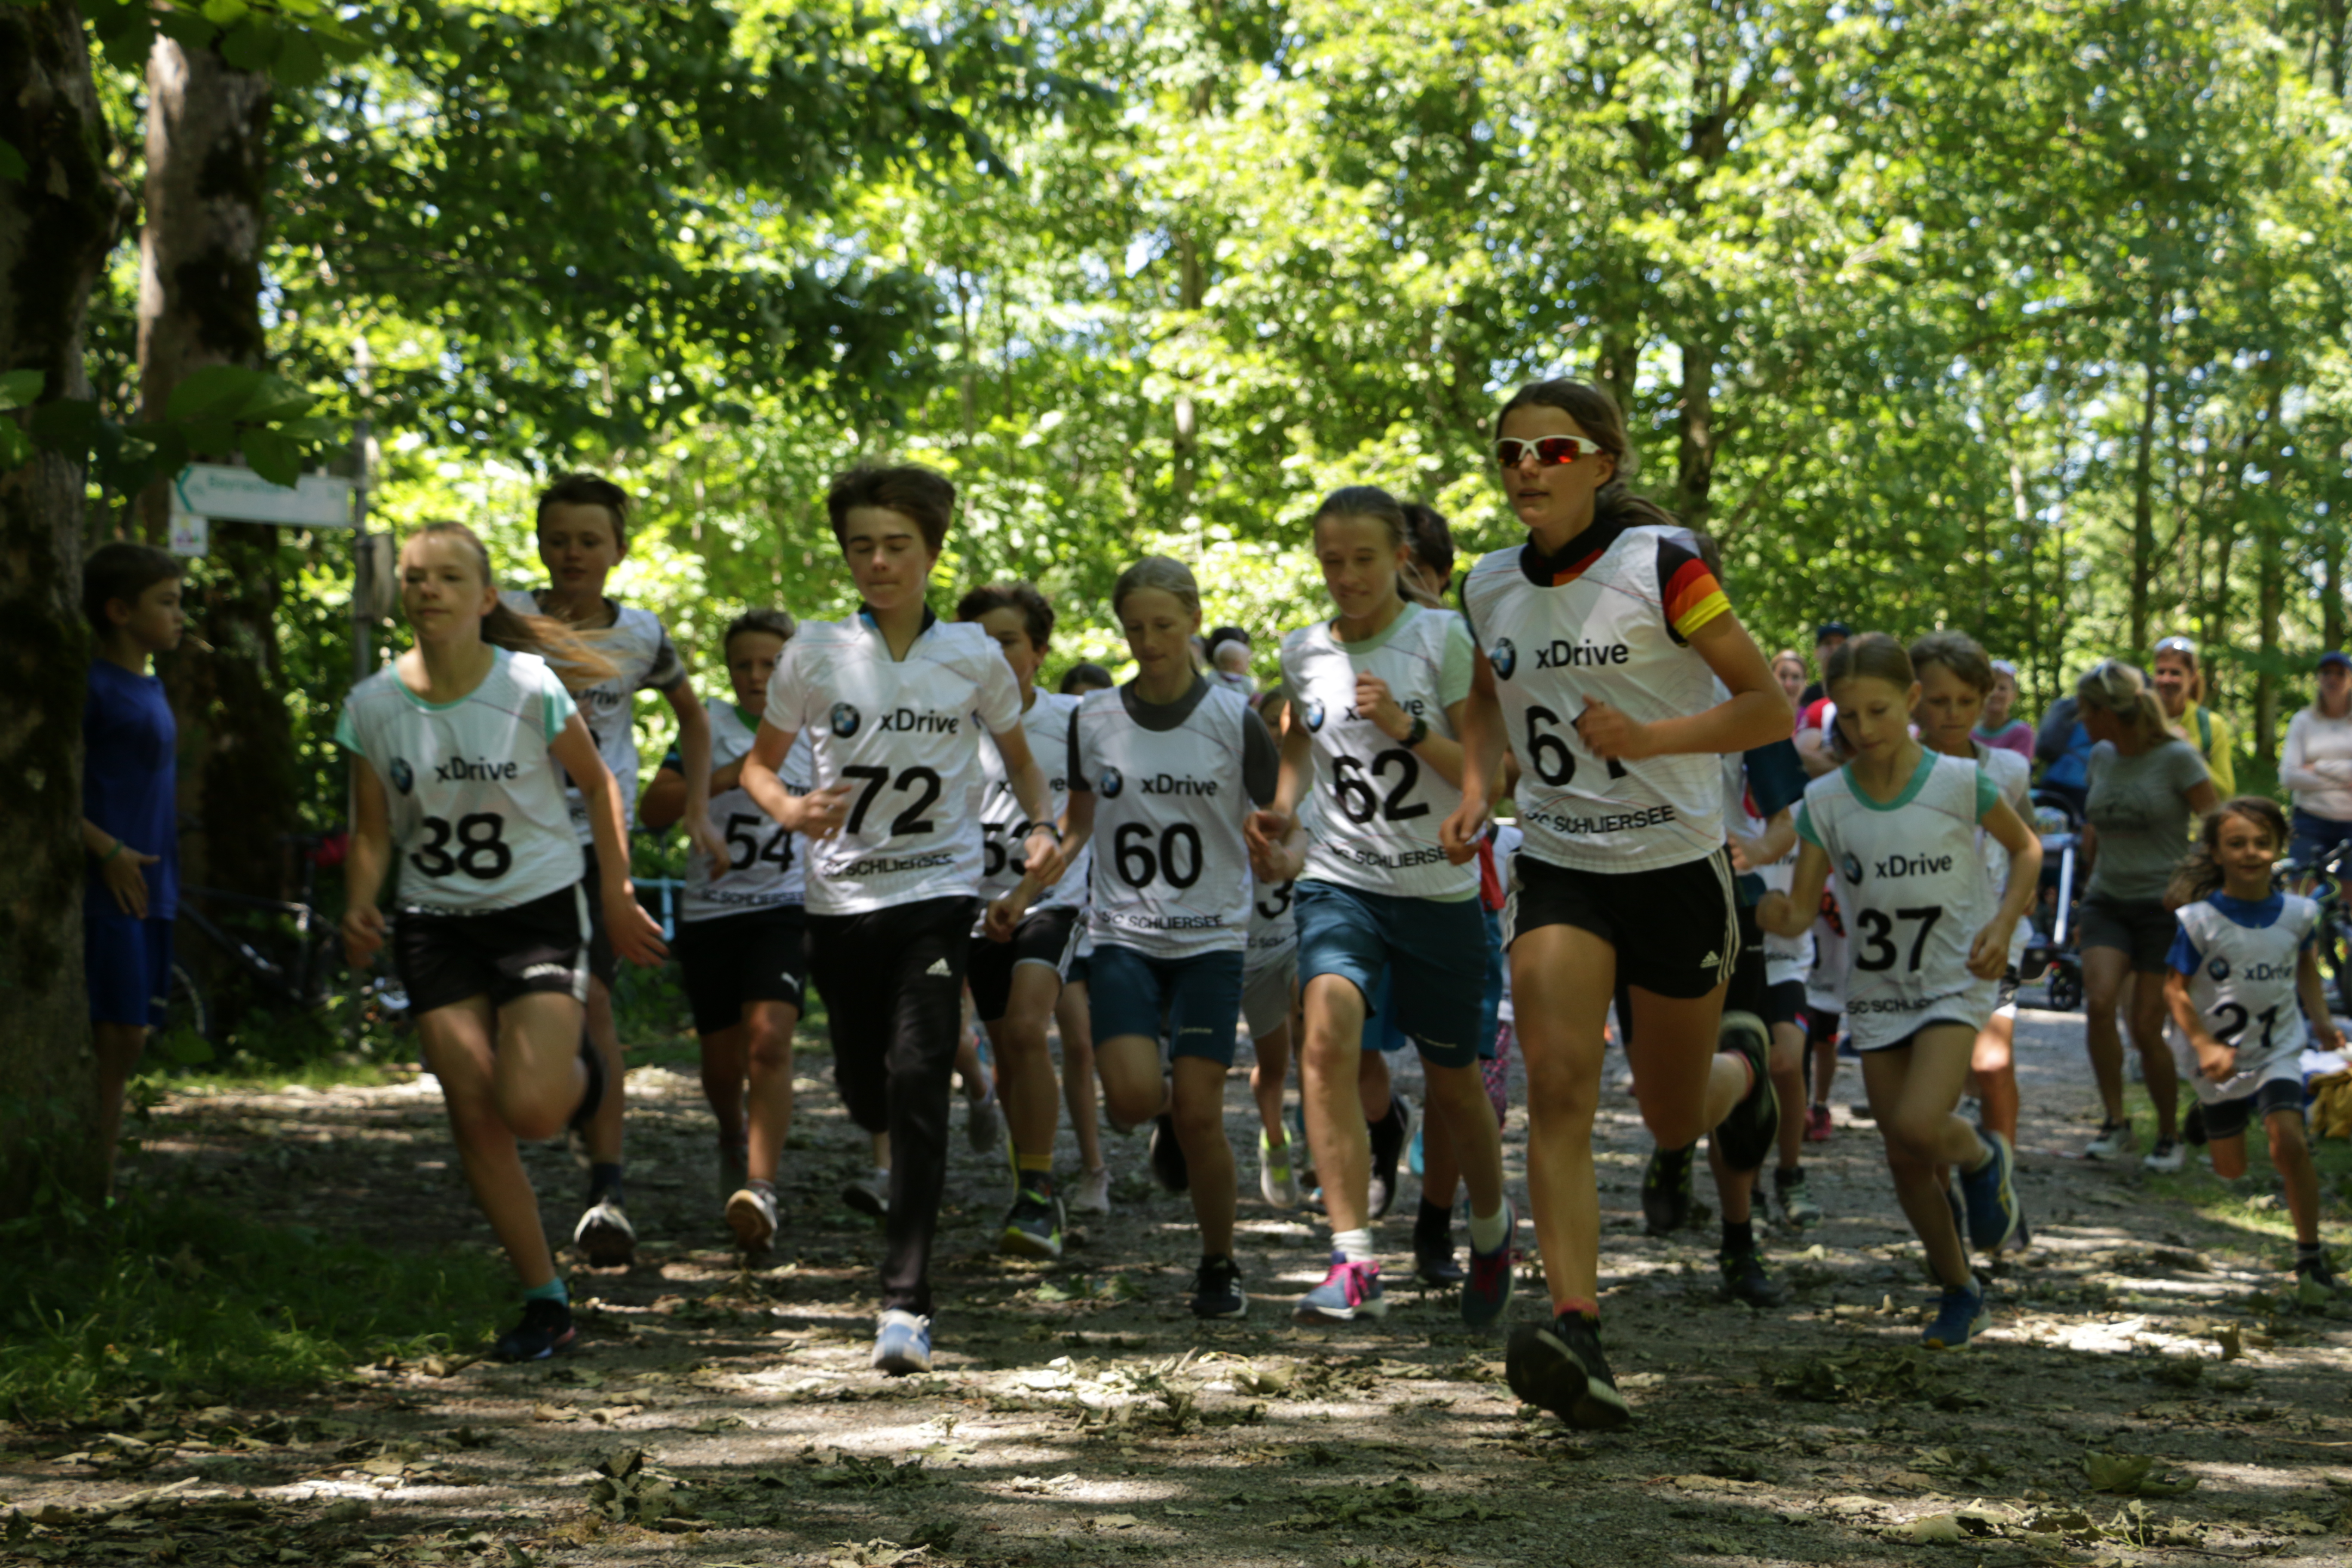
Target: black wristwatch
1417,734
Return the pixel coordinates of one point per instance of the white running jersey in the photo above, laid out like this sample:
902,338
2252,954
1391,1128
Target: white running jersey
2242,985
1507,839
1372,812
1273,926
1004,828
1913,886
1171,871
1785,958
767,863
636,642
1613,631
478,820
899,732
2012,775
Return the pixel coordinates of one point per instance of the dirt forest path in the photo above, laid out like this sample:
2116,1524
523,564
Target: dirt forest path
721,1415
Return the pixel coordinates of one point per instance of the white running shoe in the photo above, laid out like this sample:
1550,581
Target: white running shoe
1090,1193
983,1122
752,1215
869,1196
2115,1138
1277,1177
2167,1156
605,1237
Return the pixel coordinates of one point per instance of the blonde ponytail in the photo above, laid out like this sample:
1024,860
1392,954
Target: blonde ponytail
2113,687
574,653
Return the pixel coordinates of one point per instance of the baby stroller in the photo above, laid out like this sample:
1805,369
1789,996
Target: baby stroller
2052,955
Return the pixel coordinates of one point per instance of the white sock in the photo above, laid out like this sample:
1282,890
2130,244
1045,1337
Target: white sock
1354,1245
1489,1231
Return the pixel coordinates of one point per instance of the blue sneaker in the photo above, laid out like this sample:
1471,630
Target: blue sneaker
1961,1316
1413,1151
1990,1198
1349,1292
1487,1292
902,1344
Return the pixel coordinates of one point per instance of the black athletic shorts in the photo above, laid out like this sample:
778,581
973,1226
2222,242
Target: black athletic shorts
1676,929
760,956
603,964
446,958
1047,936
2231,1117
1784,1002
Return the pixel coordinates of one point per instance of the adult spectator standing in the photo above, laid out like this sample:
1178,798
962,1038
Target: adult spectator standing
1788,670
2146,786
1828,637
2179,681
2317,766
2062,746
1999,727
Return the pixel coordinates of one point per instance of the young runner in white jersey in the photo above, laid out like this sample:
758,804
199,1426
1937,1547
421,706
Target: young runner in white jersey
1956,676
1788,963
1369,772
741,942
582,526
2243,959
1016,973
1270,1009
466,746
893,701
1930,939
1162,773
1073,1022
1600,642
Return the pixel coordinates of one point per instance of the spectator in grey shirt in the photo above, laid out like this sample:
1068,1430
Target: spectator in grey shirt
2145,785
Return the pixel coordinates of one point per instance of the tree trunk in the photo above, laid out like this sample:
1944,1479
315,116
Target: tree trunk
2143,561
199,304
55,227
2271,591
1695,474
1192,287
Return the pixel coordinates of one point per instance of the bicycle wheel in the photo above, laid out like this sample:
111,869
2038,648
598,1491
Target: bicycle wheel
184,1038
2336,958
2064,985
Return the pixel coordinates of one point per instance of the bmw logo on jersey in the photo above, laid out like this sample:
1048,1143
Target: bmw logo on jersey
1853,867
2219,969
404,778
1505,656
1110,783
846,718
1314,711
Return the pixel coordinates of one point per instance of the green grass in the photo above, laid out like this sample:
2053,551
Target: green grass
181,1297
2247,1203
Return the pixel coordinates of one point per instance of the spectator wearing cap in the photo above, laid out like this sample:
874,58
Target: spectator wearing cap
2000,726
2179,681
1828,637
2317,766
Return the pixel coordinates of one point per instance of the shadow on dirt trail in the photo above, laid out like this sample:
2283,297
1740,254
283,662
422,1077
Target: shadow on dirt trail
2152,1391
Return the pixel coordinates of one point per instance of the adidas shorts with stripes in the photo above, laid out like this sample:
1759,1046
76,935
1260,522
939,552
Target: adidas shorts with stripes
1676,929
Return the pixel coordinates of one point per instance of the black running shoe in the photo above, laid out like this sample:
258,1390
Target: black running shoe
1167,1167
546,1329
1389,1134
1217,1289
1434,1261
1745,1279
1033,1227
1560,1368
1753,1128
1666,1190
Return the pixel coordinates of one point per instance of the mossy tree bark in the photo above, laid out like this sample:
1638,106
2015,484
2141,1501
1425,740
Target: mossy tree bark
199,305
57,226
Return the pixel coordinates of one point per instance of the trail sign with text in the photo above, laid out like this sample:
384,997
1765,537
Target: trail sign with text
203,491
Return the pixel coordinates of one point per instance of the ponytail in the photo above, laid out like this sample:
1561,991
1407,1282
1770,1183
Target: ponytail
574,653
2113,687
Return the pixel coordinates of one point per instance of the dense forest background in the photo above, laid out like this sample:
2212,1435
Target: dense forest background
2029,320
